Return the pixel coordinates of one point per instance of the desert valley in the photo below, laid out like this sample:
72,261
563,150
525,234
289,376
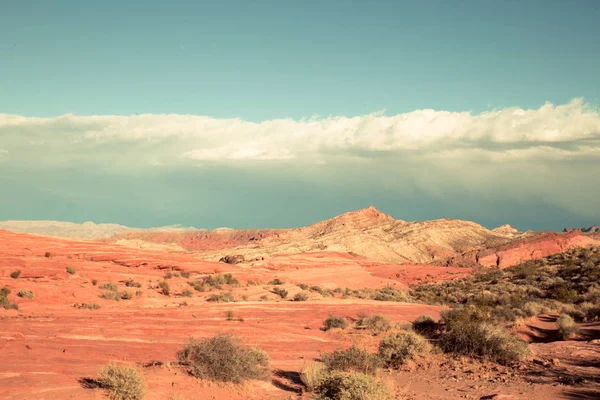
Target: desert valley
317,300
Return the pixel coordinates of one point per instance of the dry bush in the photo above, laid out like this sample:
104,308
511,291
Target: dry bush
566,326
222,358
89,306
280,292
312,375
276,281
221,298
4,302
109,286
123,382
399,347
71,270
334,322
352,359
131,283
377,324
15,274
352,386
187,293
164,288
424,324
302,296
468,333
26,293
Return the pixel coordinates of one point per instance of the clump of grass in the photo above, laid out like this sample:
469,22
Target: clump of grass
71,270
334,322
164,288
217,280
110,295
303,286
125,295
377,324
187,293
312,375
221,298
281,292
302,296
131,283
222,358
276,281
109,286
138,293
15,274
26,293
351,359
399,347
168,275
123,382
185,274
352,386
566,326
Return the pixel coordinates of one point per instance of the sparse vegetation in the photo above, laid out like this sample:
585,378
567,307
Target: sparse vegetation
387,293
280,292
221,298
334,322
123,382
109,286
222,358
26,293
399,347
187,293
215,281
185,274
164,288
4,302
15,274
352,386
131,283
71,270
353,359
276,281
89,306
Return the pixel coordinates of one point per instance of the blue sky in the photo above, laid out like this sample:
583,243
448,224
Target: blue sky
258,69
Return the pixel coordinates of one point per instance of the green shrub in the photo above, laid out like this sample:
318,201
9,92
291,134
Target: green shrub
424,324
123,382
222,358
164,288
399,347
468,333
221,298
15,274
352,359
352,386
26,293
300,296
334,322
566,326
71,270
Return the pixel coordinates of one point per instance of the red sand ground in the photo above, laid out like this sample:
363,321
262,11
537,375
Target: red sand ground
48,346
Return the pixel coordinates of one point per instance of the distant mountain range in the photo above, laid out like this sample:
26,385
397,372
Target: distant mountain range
589,229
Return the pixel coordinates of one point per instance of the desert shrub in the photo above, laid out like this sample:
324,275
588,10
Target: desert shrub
229,315
566,326
71,270
312,375
276,281
15,274
377,324
185,274
111,295
4,302
5,291
187,293
424,324
303,286
47,254
334,322
138,293
125,295
591,310
302,296
351,359
533,308
164,288
131,283
399,347
89,306
168,275
222,358
468,333
264,297
94,282
26,293
281,292
564,294
123,382
390,294
217,280
109,286
221,298
250,283
351,386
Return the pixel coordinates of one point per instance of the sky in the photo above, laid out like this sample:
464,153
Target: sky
282,113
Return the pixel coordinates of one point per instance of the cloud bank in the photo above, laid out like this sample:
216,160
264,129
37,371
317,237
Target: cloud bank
549,154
